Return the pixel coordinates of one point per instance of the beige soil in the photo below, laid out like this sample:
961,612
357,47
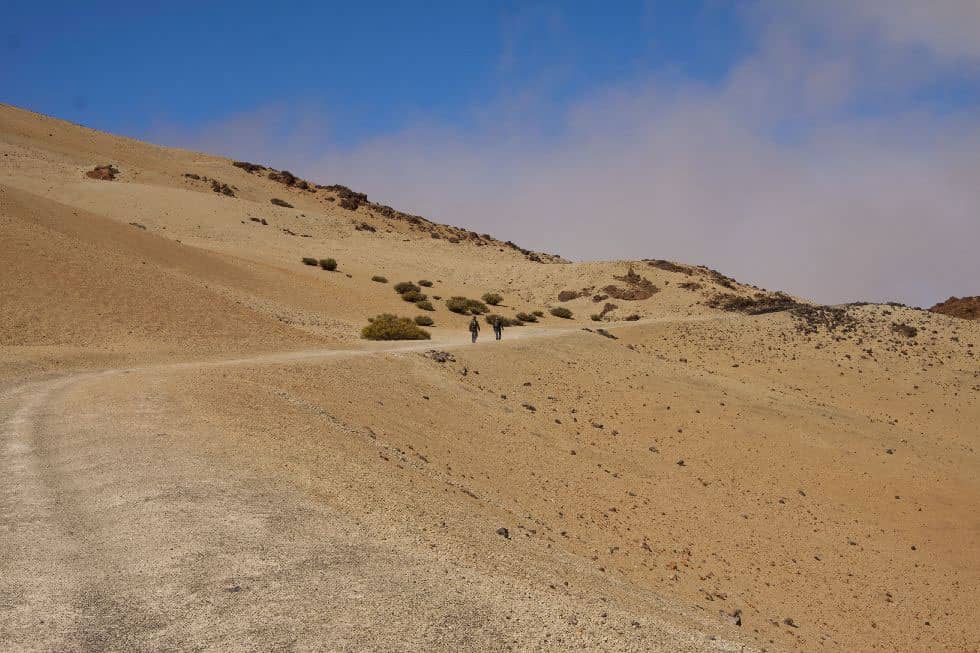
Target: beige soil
197,452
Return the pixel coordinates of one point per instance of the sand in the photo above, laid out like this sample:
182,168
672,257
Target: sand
200,453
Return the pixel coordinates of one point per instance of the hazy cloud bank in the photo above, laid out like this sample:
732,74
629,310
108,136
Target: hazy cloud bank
805,169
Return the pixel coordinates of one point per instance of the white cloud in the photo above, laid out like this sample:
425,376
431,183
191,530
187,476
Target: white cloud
766,176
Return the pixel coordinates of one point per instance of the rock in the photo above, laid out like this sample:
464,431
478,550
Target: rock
105,172
503,532
440,356
735,617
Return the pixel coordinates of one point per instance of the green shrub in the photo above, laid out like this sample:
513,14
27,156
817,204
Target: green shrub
527,317
425,283
492,298
413,296
537,313
403,287
465,306
562,312
596,317
307,260
423,320
425,305
389,327
328,264
379,279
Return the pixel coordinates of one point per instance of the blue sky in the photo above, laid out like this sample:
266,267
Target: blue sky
126,66
819,146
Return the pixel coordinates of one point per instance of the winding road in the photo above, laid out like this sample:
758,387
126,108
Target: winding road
115,536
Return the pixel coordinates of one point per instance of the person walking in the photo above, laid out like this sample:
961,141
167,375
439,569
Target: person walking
474,328
498,327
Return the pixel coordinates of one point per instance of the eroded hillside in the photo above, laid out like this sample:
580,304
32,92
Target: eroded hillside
200,452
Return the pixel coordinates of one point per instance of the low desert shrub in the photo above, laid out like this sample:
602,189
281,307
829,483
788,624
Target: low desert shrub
595,317
279,202
403,287
527,317
390,327
492,298
632,318
537,313
379,279
465,306
493,318
425,283
424,320
413,296
329,264
562,312
308,260
425,305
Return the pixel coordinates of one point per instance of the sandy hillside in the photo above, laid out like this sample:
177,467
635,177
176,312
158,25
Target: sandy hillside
200,453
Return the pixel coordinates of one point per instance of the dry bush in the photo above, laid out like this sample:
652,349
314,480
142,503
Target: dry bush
465,306
390,327
527,317
282,203
405,286
492,298
328,264
493,318
425,305
562,312
424,320
223,189
668,266
379,279
569,295
537,313
413,296
309,260
906,330
248,167
425,283
756,305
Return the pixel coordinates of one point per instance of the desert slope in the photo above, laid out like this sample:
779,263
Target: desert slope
198,451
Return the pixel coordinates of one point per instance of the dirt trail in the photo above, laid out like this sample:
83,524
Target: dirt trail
116,539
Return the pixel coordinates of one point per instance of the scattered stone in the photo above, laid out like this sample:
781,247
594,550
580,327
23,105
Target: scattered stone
440,356
503,532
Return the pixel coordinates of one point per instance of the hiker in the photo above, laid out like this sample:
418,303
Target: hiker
474,328
498,327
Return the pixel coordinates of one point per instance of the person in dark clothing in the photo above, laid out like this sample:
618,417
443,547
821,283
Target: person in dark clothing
498,328
474,328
